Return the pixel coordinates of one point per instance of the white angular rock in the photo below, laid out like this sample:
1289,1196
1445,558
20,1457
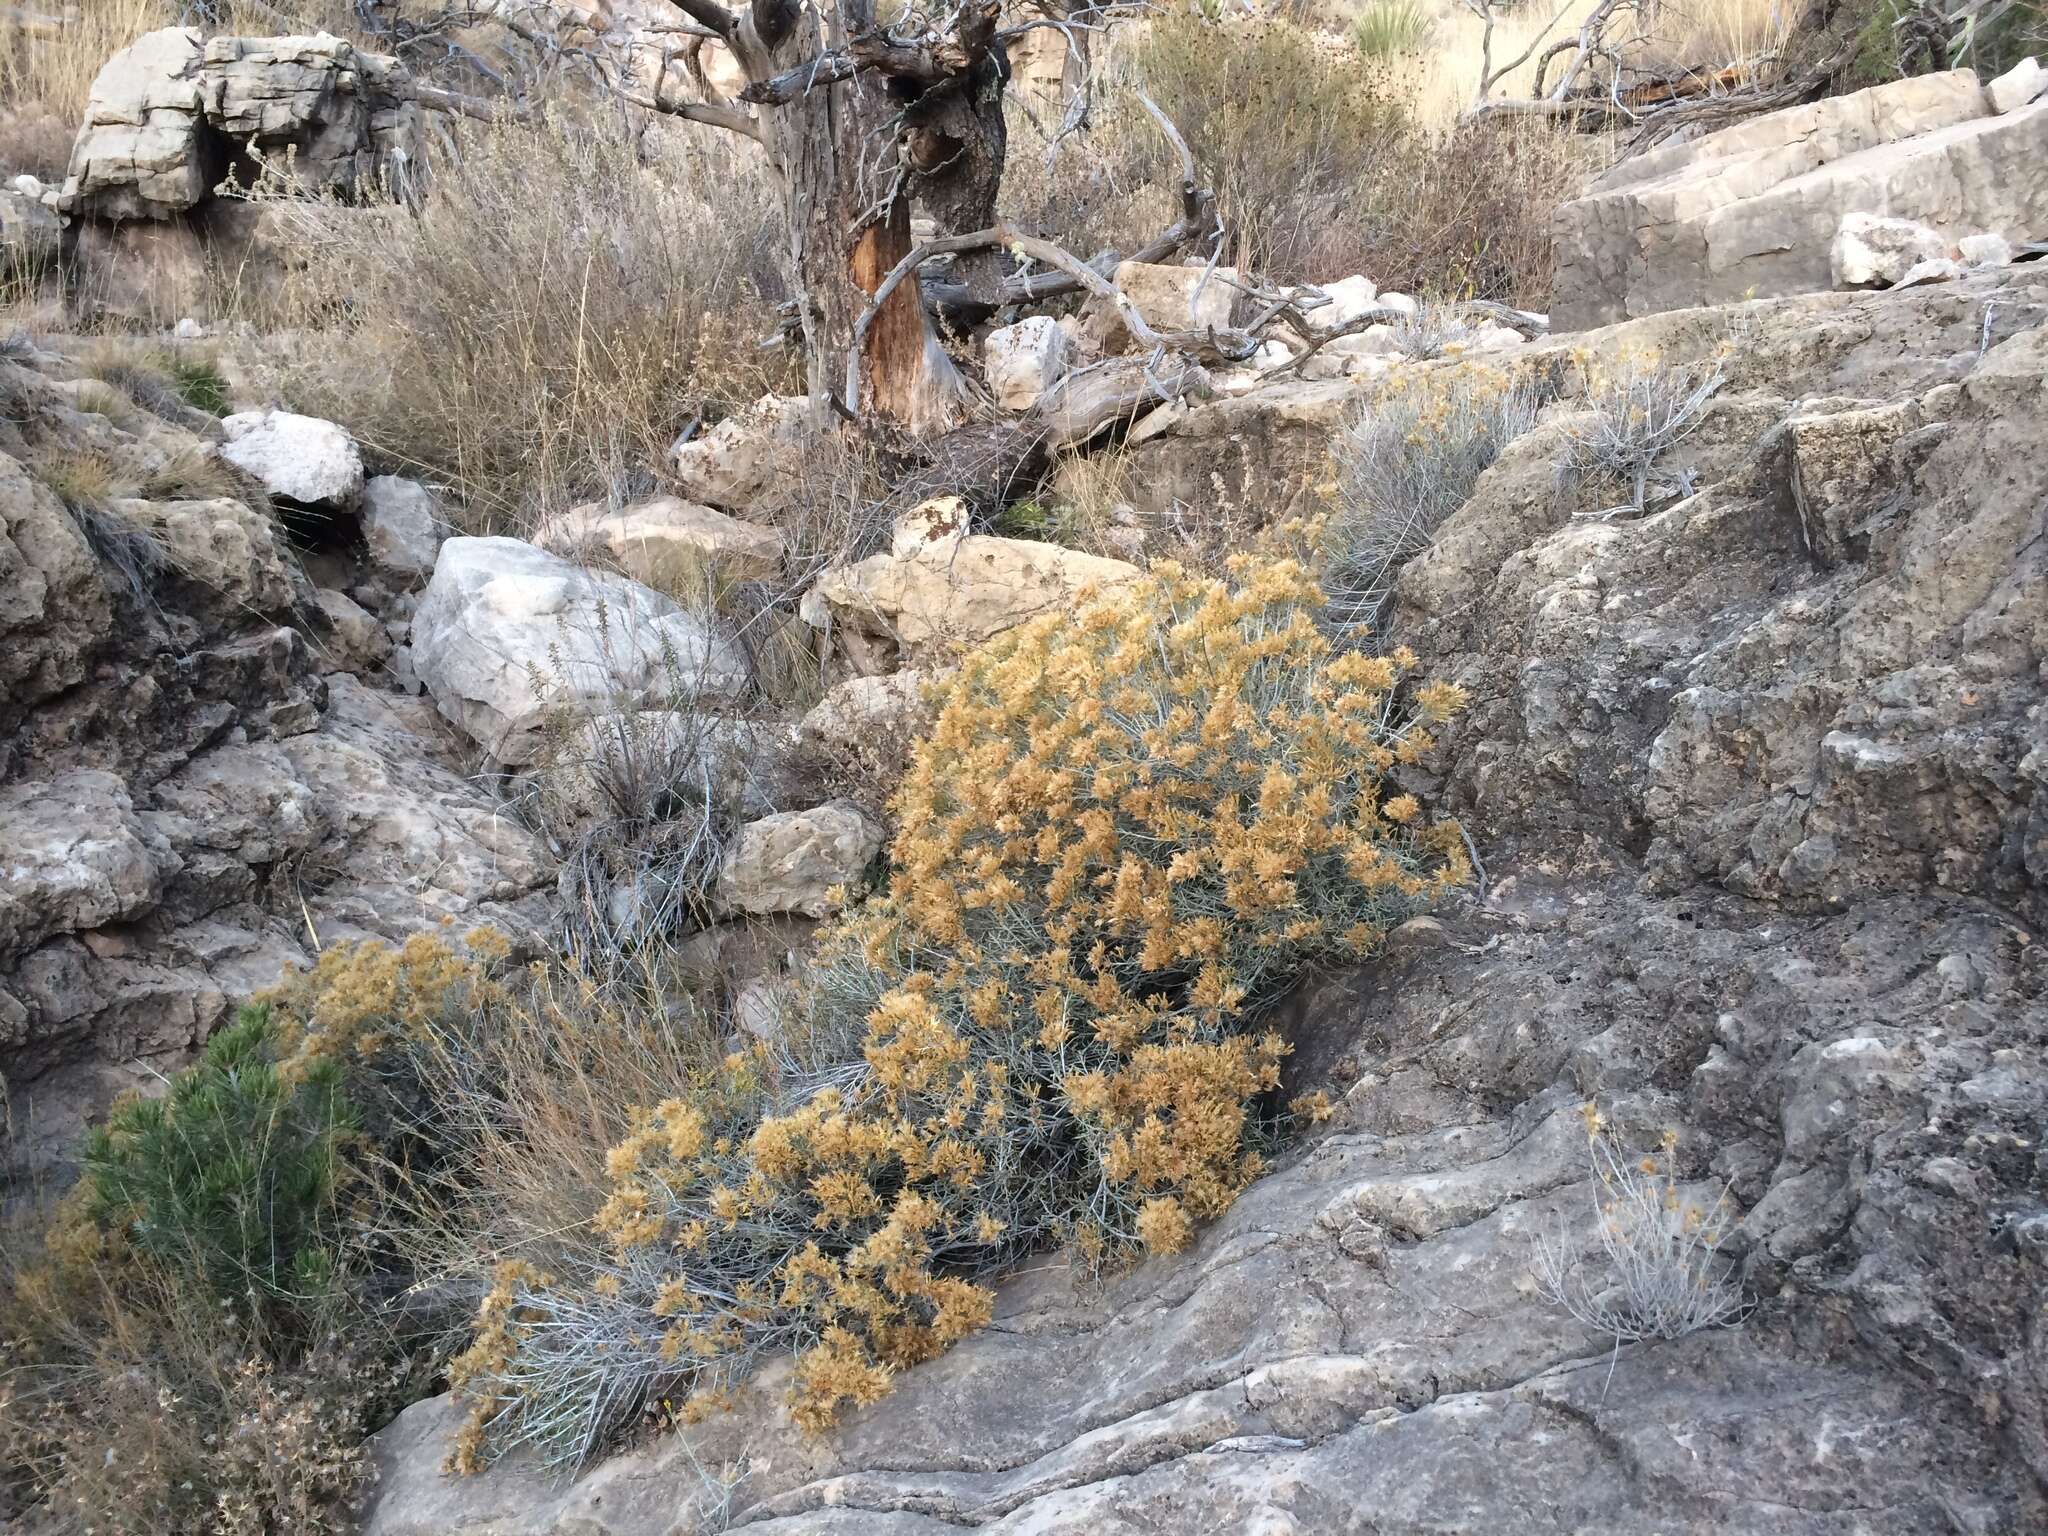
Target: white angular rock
1400,302
1875,250
674,544
403,526
1936,269
1380,340
1491,337
944,520
2024,83
792,862
1988,250
1350,297
733,464
505,631
1024,361
300,459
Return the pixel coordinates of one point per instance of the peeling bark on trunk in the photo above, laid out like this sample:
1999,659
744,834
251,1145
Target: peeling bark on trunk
855,143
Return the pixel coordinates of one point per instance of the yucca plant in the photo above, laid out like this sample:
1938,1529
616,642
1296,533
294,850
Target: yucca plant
232,1174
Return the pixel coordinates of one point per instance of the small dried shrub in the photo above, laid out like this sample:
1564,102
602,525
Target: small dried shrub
1279,123
1663,1276
1129,827
1323,161
1406,463
1640,408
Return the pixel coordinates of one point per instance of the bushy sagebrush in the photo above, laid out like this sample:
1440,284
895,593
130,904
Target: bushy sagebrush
1405,464
1129,827
233,1172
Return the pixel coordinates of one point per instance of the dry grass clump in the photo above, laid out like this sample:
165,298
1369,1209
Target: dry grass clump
1663,1276
1129,827
569,297
1405,463
1640,408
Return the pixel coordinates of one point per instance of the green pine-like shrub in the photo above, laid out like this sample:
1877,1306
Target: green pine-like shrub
233,1173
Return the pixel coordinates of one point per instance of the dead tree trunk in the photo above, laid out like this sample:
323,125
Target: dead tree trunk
859,121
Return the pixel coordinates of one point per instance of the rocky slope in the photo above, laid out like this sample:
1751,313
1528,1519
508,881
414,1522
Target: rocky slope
205,770
1758,780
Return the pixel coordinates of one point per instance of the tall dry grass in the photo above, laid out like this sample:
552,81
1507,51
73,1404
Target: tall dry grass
1323,162
1441,80
568,298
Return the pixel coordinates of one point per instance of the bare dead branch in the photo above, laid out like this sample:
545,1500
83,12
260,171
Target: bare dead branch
485,109
711,15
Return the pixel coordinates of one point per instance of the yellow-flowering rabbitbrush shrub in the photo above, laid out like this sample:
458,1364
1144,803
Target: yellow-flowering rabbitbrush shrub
1129,827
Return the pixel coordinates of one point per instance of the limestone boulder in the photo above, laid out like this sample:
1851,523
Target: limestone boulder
299,459
1873,251
1267,449
738,462
506,631
2024,83
1024,361
676,545
345,116
403,526
144,272
795,861
953,592
231,558
137,155
164,113
1350,298
1985,250
1753,209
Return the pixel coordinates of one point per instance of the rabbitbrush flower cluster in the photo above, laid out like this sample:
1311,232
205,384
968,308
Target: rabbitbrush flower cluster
1130,826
